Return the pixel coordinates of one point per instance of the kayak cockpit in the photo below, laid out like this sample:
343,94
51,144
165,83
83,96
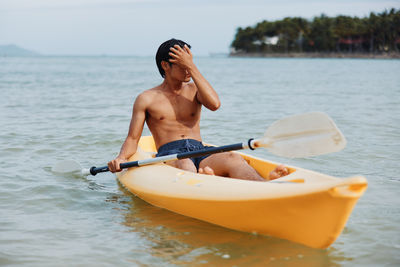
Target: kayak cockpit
263,167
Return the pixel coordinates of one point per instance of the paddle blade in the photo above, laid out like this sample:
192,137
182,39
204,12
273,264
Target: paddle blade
66,166
304,135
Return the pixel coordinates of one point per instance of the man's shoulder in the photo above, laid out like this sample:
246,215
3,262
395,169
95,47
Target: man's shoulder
148,95
149,92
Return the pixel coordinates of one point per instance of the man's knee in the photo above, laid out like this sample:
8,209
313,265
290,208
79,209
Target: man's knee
233,157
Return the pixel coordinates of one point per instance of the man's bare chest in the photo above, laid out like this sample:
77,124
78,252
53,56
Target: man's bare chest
179,109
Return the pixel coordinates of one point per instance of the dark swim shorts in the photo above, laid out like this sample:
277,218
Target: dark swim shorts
183,145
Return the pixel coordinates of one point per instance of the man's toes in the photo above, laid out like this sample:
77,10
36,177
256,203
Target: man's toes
285,172
282,170
280,167
278,172
273,175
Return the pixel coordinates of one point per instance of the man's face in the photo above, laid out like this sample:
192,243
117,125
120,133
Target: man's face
179,73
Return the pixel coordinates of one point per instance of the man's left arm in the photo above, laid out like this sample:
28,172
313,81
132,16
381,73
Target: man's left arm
206,94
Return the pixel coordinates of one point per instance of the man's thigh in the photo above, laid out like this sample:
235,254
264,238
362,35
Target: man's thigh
184,164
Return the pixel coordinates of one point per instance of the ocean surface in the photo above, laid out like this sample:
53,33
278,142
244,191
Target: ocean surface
58,108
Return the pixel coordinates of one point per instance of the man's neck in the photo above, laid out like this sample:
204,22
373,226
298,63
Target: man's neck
172,86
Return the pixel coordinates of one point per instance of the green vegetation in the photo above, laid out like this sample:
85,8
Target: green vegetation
378,33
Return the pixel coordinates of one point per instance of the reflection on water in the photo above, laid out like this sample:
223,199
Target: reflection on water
181,240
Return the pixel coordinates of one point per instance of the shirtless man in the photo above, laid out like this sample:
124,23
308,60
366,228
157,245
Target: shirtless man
172,112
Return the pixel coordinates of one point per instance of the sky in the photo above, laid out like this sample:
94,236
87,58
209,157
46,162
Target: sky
138,27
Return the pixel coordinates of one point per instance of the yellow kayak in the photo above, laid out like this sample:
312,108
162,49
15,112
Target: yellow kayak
304,207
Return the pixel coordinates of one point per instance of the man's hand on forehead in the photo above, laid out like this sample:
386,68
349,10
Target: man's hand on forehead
181,56
176,49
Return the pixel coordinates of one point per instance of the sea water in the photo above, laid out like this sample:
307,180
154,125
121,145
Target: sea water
57,108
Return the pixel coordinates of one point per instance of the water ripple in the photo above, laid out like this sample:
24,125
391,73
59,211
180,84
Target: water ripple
56,108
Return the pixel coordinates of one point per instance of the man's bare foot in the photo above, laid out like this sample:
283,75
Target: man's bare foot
278,172
207,170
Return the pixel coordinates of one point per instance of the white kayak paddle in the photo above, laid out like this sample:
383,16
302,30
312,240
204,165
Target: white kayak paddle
297,136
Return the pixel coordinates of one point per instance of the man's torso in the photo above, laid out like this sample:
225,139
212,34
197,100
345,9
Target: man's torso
172,116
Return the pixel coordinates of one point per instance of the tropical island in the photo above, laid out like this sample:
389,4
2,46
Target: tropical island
376,36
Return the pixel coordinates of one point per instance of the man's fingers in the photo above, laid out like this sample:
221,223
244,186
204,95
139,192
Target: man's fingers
180,55
111,166
173,50
187,49
173,55
114,166
178,47
118,167
176,51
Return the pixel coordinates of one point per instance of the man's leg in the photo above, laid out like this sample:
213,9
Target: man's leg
232,165
184,164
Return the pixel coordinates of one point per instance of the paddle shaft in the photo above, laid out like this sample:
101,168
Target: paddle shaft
297,136
190,154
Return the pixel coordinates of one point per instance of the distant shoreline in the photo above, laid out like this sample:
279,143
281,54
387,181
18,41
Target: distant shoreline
318,55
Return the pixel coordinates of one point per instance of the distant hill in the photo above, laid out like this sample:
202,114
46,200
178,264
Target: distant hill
15,51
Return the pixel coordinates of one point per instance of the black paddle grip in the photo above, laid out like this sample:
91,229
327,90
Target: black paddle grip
94,170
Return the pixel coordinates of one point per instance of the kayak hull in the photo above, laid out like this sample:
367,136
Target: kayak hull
304,207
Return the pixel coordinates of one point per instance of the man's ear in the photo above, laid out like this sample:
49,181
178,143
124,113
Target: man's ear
165,65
